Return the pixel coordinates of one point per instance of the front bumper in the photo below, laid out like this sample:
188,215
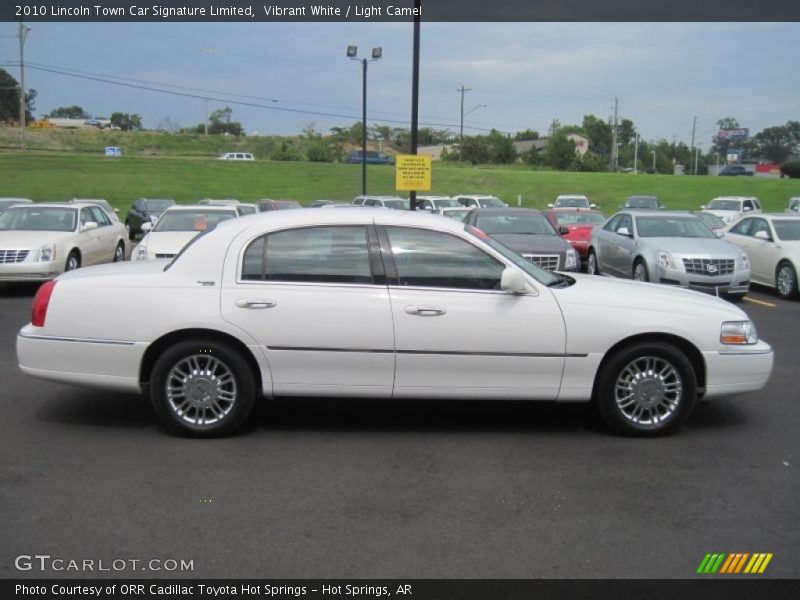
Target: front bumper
736,283
30,271
738,370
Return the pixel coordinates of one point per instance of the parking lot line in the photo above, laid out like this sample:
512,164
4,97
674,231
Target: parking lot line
761,302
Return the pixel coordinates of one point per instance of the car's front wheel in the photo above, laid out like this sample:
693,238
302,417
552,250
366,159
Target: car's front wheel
202,388
73,261
786,281
592,268
640,271
646,389
119,252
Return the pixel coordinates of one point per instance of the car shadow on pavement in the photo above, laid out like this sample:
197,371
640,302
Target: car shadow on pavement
19,290
75,406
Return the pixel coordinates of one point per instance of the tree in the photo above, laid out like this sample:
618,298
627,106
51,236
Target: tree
501,148
475,150
126,122
728,123
599,134
69,112
626,132
9,99
168,124
777,144
528,134
220,121
560,151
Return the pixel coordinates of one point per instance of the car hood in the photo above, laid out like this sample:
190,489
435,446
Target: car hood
722,213
525,242
22,240
696,247
167,242
591,290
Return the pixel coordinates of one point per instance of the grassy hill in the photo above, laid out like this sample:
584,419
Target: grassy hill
49,176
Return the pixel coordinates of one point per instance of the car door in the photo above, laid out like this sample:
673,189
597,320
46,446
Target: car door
764,255
603,248
316,300
107,236
626,247
456,333
91,246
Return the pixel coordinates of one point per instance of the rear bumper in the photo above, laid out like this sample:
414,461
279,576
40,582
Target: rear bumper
737,371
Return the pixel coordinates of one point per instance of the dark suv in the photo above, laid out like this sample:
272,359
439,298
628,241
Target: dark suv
145,210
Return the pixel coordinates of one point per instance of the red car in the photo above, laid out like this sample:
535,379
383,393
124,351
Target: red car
580,222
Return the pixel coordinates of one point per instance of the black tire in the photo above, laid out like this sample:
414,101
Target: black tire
640,264
671,408
786,291
119,252
592,266
73,261
239,383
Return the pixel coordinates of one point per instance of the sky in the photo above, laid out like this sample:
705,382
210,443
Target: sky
521,75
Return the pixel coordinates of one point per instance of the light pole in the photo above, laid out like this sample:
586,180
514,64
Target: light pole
636,155
352,54
23,34
696,156
464,114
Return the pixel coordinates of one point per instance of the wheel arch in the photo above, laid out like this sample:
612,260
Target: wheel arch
693,355
160,345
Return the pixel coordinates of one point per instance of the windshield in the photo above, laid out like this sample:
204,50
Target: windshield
539,274
674,227
246,210
444,203
158,206
192,220
573,202
38,219
286,204
579,218
787,230
397,204
725,205
458,215
490,202
712,221
642,202
533,224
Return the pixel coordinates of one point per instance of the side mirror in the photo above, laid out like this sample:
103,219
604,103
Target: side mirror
720,233
550,205
513,282
624,231
763,235
88,226
593,206
747,209
116,210
563,229
146,226
702,207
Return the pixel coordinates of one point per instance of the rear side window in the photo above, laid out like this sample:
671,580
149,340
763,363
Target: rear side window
310,254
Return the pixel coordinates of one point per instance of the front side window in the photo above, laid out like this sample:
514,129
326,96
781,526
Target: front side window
310,254
100,217
760,225
688,227
433,259
613,224
742,227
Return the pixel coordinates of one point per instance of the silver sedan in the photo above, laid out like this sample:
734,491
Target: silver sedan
672,248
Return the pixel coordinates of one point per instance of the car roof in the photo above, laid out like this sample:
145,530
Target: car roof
578,196
75,205
734,198
659,214
573,209
475,196
206,207
773,216
506,211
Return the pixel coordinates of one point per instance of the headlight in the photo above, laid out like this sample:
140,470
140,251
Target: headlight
745,262
667,261
738,333
572,259
47,253
141,253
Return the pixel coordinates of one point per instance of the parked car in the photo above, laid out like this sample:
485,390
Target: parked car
716,224
267,205
7,202
219,201
321,203
579,223
41,241
373,158
671,248
571,201
478,201
732,208
394,202
104,204
177,226
527,232
459,213
236,156
434,203
424,308
246,208
772,243
735,171
145,210
793,206
641,201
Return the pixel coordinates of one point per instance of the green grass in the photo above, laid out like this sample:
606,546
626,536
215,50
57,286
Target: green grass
121,180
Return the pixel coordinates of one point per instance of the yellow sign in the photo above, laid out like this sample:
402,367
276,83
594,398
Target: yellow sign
412,172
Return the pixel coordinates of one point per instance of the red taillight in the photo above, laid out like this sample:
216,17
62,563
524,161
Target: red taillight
40,303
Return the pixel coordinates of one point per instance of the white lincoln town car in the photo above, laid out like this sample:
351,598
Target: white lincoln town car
383,304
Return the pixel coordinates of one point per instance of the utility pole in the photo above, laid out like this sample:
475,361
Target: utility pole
412,196
694,129
636,155
613,166
23,33
205,120
463,91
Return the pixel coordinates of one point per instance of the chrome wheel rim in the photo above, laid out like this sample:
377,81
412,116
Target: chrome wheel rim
201,390
119,254
648,391
639,274
72,263
785,280
591,265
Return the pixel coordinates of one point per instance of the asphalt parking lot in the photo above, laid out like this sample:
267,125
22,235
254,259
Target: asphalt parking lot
352,488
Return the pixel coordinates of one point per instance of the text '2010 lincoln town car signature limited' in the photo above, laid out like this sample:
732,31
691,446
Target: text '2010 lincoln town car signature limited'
383,304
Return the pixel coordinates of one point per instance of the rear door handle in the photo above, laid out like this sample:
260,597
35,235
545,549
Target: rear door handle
426,311
255,303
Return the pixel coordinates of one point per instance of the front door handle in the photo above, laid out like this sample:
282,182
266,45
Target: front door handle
255,303
426,311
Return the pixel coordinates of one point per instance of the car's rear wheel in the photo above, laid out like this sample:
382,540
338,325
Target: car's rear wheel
646,389
73,261
119,252
592,268
786,281
202,388
640,271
